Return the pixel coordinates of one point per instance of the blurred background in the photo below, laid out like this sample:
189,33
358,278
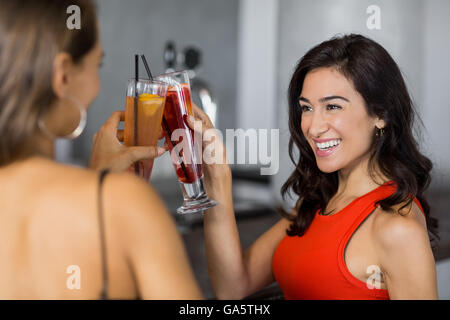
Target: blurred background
242,54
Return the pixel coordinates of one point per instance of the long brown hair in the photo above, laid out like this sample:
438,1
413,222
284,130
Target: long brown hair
378,79
32,33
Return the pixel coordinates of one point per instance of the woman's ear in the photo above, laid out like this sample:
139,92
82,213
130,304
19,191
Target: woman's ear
62,67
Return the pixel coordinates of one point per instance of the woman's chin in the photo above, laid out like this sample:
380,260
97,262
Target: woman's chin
327,167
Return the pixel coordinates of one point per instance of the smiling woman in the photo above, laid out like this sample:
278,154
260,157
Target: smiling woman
351,117
359,228
350,89
339,128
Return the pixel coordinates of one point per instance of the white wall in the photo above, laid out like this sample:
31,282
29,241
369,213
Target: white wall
436,107
257,49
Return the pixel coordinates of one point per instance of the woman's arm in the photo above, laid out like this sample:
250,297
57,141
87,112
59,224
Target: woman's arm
234,274
405,254
151,241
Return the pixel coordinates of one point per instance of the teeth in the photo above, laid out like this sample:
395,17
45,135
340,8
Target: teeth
328,144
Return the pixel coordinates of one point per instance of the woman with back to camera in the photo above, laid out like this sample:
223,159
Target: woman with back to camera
114,233
359,228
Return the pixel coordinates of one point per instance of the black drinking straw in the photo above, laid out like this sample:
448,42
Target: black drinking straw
165,124
147,68
136,79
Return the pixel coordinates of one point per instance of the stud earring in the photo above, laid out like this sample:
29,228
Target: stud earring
380,132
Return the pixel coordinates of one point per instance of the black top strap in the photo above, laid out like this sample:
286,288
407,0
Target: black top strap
104,291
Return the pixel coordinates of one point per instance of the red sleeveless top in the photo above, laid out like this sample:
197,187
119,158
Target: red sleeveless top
312,266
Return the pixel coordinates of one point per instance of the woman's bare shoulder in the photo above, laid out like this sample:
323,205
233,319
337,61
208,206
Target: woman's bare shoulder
118,185
40,178
126,191
131,207
46,178
404,253
399,215
399,227
45,183
134,204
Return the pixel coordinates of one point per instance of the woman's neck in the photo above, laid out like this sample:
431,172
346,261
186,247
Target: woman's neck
40,146
357,180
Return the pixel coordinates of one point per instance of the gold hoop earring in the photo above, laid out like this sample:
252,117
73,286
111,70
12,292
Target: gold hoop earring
76,132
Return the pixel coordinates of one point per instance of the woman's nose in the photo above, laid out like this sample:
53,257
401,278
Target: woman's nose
318,126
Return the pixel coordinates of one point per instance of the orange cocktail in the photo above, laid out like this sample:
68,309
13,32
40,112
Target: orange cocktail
142,128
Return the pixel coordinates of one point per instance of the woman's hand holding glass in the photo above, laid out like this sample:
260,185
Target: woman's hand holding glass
217,172
109,152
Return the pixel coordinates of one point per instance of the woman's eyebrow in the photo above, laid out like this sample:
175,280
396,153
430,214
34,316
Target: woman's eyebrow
324,99
332,98
304,99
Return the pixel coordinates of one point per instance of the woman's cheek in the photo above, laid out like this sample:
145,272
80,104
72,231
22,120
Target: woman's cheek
95,86
341,126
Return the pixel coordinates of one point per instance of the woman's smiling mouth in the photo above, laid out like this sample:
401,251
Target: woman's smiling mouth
325,147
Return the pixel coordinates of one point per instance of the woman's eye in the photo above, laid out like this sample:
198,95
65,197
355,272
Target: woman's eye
333,107
305,108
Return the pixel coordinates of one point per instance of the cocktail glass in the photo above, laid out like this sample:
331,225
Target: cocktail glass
180,138
143,114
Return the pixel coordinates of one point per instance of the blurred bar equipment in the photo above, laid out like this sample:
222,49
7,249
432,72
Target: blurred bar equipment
170,57
201,92
190,59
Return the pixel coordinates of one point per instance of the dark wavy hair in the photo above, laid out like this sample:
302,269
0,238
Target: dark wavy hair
378,79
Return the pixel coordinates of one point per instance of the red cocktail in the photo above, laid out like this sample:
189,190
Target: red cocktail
178,107
180,139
